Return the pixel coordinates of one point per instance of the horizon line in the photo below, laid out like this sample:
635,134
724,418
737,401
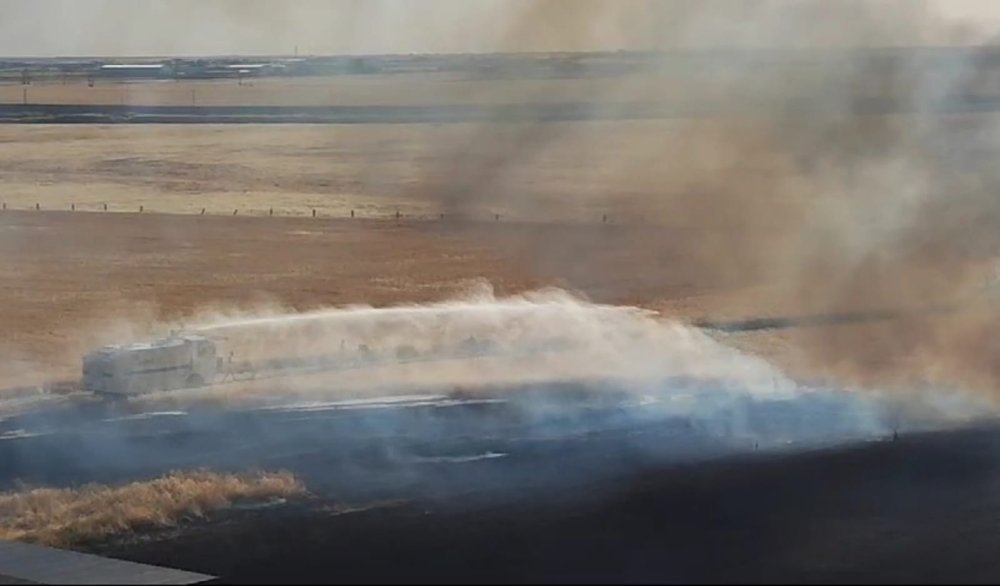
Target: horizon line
679,50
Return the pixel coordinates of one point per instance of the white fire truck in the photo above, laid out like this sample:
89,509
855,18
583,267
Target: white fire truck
171,363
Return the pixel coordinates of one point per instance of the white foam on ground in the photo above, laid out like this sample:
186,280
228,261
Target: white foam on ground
728,393
460,459
395,402
352,402
19,434
143,416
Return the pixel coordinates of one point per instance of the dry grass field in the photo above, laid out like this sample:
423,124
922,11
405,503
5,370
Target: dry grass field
73,280
344,90
690,218
58,517
565,171
695,218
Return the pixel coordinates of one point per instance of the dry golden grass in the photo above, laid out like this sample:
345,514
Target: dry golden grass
61,516
565,172
706,218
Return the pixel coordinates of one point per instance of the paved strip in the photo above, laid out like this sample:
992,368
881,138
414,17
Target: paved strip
496,113
24,563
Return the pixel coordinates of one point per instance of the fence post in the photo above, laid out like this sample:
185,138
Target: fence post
604,219
270,212
397,214
37,207
352,213
314,212
496,217
72,207
105,207
235,211
203,211
141,208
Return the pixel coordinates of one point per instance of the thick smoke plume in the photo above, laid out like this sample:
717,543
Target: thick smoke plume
838,211
544,369
476,344
607,388
794,185
221,27
793,193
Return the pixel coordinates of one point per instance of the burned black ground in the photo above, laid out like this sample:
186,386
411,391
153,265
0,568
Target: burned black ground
923,509
553,485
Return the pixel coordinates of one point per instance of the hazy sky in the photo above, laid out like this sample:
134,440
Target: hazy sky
200,27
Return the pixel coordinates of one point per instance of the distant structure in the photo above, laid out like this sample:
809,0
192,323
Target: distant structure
135,70
248,67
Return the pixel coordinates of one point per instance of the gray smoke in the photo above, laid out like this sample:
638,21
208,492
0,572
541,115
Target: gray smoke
607,387
846,211
795,186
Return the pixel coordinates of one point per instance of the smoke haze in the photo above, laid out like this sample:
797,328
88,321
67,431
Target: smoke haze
221,27
839,212
559,369
849,212
846,211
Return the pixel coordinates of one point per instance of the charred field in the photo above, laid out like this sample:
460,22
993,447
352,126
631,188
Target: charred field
915,510
450,488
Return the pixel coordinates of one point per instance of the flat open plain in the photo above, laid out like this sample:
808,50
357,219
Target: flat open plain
691,218
696,218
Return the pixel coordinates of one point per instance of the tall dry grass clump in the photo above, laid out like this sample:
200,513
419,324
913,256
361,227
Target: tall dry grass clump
61,516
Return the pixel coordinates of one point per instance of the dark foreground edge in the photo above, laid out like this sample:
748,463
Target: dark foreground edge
22,563
921,509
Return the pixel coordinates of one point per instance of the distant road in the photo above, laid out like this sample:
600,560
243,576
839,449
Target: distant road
464,113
